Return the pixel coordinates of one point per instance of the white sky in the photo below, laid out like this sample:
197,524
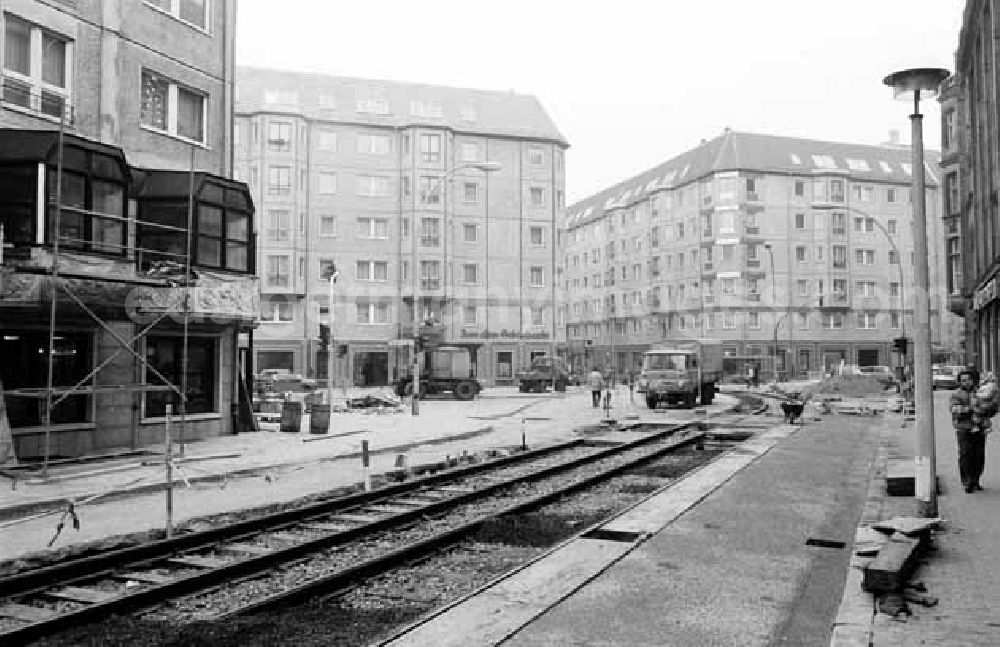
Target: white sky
632,83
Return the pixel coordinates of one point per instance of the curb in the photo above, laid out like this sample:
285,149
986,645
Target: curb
23,509
855,622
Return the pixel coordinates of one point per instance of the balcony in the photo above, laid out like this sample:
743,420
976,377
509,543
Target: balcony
430,241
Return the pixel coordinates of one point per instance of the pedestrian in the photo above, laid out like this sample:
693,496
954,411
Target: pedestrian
970,426
596,382
631,386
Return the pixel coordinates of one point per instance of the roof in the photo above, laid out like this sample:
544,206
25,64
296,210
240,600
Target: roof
737,151
20,146
394,103
151,184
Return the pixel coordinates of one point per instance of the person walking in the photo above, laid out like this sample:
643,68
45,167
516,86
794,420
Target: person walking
596,382
969,430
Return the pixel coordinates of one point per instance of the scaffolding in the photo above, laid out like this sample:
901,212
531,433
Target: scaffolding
59,285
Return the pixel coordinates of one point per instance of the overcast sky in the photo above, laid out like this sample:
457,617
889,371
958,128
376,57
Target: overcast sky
631,83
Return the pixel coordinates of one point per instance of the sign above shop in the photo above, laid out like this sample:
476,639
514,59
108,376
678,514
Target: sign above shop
985,294
502,334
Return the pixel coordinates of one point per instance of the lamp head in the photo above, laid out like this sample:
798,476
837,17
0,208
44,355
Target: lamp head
925,80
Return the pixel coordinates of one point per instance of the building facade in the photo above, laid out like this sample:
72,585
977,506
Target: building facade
796,254
132,102
975,84
386,182
956,244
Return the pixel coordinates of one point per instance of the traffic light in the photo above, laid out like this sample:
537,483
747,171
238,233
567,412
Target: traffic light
899,345
324,336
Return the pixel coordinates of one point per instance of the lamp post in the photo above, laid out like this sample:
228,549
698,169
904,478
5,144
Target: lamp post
774,302
486,167
332,279
908,84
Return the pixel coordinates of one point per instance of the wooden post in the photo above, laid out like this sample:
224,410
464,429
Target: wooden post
366,464
169,462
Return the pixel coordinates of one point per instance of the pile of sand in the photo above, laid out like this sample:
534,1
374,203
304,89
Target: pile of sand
850,385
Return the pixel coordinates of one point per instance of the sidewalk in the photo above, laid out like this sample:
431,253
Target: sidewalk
964,571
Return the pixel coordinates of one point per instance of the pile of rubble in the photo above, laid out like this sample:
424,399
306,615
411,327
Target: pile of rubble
379,402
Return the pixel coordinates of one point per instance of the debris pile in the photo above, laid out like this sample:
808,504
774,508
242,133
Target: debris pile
378,402
891,549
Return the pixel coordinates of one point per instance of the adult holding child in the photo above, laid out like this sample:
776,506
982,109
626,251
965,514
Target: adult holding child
973,404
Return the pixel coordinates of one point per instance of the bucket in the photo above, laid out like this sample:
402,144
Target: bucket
319,421
291,417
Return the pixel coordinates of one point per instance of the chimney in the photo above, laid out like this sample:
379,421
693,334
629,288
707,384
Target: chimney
894,137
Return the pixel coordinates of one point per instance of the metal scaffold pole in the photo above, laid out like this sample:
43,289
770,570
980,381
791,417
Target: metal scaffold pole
53,294
181,437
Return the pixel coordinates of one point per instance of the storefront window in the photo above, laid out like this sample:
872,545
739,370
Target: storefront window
165,354
25,366
505,365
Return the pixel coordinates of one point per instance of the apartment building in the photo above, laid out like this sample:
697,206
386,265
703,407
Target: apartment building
444,195
132,102
956,244
796,253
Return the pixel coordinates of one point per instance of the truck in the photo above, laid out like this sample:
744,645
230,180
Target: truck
445,369
670,372
544,372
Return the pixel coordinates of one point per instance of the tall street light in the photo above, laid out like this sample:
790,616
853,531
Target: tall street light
774,302
444,178
908,84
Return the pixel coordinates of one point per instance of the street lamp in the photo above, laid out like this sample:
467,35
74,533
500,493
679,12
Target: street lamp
774,302
332,279
907,84
486,167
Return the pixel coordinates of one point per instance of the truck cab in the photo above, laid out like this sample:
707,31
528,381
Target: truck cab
672,374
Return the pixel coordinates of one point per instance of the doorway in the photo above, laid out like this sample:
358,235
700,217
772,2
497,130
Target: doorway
371,368
867,357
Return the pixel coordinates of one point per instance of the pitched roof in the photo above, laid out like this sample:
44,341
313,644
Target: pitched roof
737,151
392,103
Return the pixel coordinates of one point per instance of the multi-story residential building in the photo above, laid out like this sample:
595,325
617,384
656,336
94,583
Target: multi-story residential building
792,251
952,208
386,181
139,95
975,81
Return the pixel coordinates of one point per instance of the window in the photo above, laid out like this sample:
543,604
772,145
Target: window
426,109
430,148
278,272
372,313
538,315
951,194
279,136
800,188
35,68
800,221
372,270
893,289
470,233
279,180
430,190
326,269
729,286
171,108
839,256
469,315
890,227
430,275
537,276
369,228
537,196
890,195
536,156
800,253
836,190
867,321
470,274
864,256
25,365
838,223
374,144
833,321
859,223
374,186
194,12
753,320
328,226
865,288
728,320
819,190
654,237
279,224
326,140
327,183
470,193
894,320
166,354
276,310
373,106
430,233
537,235
470,152
803,319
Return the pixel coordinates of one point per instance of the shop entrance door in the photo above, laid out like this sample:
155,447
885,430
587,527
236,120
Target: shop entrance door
371,369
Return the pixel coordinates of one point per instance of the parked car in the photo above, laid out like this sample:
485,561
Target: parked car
883,374
944,377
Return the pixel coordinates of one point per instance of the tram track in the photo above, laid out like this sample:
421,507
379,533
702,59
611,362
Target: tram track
39,602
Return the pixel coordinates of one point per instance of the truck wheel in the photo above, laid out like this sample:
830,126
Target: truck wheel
465,390
651,401
408,391
540,386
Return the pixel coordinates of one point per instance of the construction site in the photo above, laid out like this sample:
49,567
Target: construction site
127,301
